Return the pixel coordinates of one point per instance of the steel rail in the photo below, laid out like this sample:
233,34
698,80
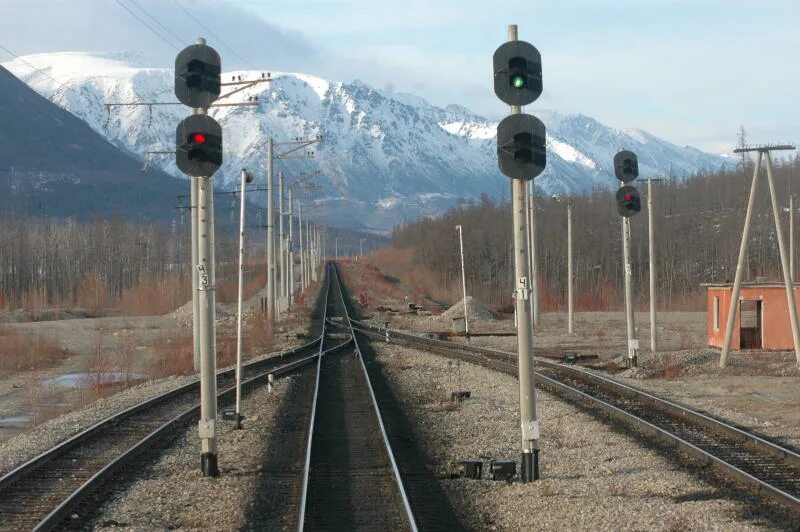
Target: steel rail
406,504
41,459
334,282
60,513
307,464
100,429
504,361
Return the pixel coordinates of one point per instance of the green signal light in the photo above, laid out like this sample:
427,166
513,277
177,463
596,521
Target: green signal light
518,82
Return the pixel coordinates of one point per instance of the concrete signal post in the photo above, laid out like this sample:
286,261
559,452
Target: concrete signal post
626,168
521,155
198,153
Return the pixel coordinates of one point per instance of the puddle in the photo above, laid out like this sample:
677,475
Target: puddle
20,419
84,379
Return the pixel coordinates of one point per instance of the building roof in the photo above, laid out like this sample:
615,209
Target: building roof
749,284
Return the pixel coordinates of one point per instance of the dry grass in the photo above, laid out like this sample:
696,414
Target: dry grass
19,352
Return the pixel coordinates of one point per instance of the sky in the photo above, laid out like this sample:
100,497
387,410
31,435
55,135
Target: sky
690,71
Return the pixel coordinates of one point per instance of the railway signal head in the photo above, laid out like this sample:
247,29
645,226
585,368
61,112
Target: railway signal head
626,166
197,76
198,146
628,201
521,150
517,73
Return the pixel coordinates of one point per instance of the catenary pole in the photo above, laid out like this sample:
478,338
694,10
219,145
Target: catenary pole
791,237
281,245
527,393
737,280
651,248
570,275
271,291
302,248
290,250
787,280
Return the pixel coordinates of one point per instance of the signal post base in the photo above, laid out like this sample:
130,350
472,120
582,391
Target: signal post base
530,466
208,463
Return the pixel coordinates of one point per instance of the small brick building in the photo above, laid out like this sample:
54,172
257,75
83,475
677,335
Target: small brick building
762,320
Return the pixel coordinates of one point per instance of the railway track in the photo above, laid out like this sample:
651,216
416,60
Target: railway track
351,480
50,489
764,466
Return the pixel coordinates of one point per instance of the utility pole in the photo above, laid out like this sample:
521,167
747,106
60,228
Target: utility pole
290,251
761,152
246,178
281,244
463,279
570,276
360,249
652,266
337,249
271,276
791,237
521,155
302,248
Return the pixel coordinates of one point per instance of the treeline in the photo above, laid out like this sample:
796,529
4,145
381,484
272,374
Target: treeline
108,265
698,232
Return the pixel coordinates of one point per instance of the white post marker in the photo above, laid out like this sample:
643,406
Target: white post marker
463,280
246,178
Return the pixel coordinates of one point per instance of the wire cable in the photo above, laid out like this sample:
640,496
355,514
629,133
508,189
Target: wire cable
137,17
154,19
39,70
234,52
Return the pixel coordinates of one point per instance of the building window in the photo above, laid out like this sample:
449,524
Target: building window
716,313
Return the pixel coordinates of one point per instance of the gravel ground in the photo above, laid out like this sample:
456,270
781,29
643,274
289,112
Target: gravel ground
593,477
34,441
249,494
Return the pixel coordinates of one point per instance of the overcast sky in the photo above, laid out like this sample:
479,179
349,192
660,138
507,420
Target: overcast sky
690,71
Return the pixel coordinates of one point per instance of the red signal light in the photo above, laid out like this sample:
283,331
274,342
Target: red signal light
199,138
628,197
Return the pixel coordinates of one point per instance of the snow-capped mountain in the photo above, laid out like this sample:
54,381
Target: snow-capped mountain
384,157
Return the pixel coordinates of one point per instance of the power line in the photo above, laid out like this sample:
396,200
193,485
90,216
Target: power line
137,17
234,52
143,10
39,70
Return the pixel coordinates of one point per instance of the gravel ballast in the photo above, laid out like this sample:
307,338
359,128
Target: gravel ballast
593,477
255,489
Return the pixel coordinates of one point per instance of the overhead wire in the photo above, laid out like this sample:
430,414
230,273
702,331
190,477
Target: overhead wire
215,36
154,19
156,32
39,70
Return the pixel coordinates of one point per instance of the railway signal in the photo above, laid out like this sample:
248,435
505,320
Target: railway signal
197,76
521,155
626,168
628,201
521,152
198,152
198,141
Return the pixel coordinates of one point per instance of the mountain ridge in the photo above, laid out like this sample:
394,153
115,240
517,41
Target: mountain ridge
385,157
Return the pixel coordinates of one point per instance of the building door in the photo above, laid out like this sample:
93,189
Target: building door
750,324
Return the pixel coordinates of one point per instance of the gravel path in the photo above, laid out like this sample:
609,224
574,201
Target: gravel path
593,477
